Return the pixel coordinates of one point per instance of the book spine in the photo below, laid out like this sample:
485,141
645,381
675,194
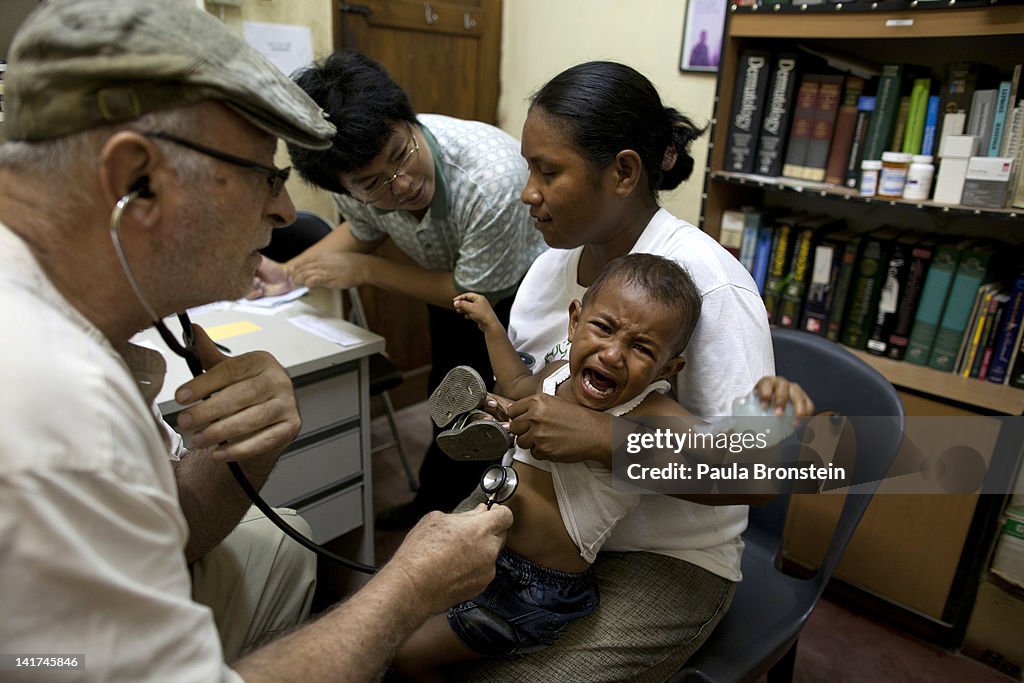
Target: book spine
996,314
821,287
800,131
821,129
972,331
1015,376
995,144
777,116
1004,349
837,313
902,113
864,293
933,301
914,132
745,121
920,261
778,266
792,298
762,255
969,276
980,117
883,121
748,246
892,291
842,139
730,234
865,108
931,124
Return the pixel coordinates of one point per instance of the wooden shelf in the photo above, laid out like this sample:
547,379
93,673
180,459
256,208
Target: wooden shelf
843,193
936,23
980,393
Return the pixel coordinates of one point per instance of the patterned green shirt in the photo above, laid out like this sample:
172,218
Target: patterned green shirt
476,227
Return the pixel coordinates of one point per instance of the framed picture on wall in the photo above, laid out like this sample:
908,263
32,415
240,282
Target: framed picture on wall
702,35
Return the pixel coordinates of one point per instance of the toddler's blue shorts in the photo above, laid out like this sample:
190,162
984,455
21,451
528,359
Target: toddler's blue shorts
526,607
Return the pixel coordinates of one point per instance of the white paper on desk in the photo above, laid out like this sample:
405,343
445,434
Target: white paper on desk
247,308
323,329
274,301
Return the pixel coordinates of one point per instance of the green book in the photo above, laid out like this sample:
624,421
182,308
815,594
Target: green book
869,274
847,266
891,86
971,273
933,300
914,132
779,264
808,233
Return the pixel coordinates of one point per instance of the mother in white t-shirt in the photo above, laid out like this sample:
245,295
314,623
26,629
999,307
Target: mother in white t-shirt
600,145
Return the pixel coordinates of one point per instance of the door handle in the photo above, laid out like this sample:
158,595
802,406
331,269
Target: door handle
350,8
468,22
429,15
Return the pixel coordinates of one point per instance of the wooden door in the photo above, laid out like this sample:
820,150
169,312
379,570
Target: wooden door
445,56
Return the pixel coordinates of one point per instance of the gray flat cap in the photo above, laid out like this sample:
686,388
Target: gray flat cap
78,64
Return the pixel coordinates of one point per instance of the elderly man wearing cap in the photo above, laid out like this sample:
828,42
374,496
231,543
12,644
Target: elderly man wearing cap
136,180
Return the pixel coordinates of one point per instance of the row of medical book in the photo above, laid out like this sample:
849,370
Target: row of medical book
951,303
796,114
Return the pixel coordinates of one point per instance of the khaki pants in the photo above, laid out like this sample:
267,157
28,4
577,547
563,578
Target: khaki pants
258,582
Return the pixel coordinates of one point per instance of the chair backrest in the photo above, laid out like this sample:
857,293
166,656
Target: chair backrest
839,382
290,241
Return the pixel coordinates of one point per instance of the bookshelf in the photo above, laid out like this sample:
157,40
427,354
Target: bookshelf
949,534
991,33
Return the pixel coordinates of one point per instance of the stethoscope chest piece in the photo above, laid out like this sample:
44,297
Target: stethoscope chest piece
499,482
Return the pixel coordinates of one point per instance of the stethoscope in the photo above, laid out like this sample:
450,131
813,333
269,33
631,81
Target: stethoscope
499,482
191,356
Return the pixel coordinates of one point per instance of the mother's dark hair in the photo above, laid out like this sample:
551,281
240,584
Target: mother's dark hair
607,107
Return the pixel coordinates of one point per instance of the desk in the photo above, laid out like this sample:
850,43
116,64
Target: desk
325,474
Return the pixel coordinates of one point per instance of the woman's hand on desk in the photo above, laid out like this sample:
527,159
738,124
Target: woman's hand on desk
241,407
271,279
337,269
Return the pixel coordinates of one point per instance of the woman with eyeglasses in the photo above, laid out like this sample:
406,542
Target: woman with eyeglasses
446,192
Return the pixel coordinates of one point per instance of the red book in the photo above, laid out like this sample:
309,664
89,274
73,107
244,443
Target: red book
842,138
821,129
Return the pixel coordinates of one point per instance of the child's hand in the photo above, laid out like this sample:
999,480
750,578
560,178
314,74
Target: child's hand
778,391
477,308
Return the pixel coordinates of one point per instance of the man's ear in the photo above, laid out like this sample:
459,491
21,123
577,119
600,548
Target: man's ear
127,163
628,168
673,367
574,316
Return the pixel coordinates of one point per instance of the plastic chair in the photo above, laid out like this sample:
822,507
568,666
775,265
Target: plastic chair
292,240
759,633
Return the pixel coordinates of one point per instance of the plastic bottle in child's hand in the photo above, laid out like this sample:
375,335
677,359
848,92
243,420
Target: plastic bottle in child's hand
750,405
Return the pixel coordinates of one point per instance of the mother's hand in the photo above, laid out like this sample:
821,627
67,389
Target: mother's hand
557,430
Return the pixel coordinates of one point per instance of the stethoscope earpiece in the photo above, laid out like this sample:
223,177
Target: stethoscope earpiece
499,482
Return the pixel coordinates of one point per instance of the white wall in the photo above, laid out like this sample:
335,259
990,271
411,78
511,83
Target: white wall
315,14
540,38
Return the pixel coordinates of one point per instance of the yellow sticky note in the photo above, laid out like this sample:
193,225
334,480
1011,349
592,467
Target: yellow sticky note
227,331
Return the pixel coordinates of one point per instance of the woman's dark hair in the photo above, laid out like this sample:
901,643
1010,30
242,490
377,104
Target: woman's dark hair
663,281
362,102
607,107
